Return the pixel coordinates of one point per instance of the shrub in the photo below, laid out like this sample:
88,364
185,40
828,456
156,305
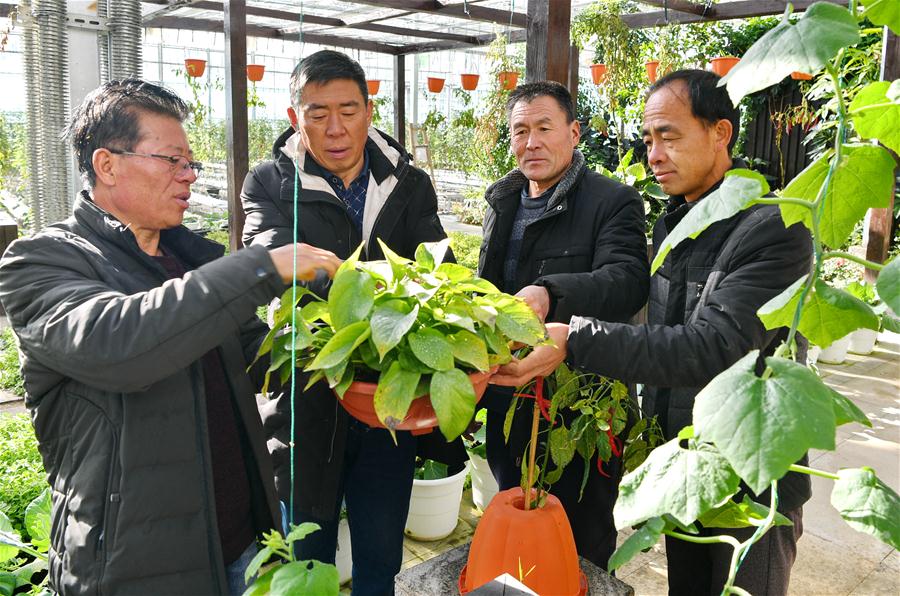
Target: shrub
465,248
10,372
22,476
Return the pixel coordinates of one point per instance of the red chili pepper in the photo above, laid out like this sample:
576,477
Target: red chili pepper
543,404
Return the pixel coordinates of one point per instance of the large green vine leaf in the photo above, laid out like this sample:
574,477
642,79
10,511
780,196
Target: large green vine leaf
453,400
737,192
883,12
642,539
876,113
305,577
396,390
888,285
37,521
868,504
806,45
763,425
390,322
863,179
739,515
845,411
828,314
681,482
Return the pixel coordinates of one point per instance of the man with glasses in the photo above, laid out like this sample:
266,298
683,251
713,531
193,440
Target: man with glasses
135,338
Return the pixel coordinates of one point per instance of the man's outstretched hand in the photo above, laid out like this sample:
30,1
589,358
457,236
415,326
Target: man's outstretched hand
309,260
541,362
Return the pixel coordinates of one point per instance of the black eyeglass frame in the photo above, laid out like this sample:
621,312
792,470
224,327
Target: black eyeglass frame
173,160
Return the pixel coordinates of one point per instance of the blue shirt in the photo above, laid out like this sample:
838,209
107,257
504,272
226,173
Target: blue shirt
354,195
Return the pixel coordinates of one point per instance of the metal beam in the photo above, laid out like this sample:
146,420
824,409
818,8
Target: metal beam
236,125
724,11
254,11
168,6
400,100
683,6
516,36
367,26
460,11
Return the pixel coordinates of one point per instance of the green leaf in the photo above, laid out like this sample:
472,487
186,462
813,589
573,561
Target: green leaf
256,562
341,346
7,583
305,577
738,191
263,584
888,285
762,426
37,521
863,179
845,411
301,531
431,347
681,482
282,315
883,12
390,322
876,113
890,323
643,538
738,515
828,314
562,447
453,400
9,539
469,348
454,272
351,297
396,390
868,504
517,321
315,311
805,46
431,254
400,266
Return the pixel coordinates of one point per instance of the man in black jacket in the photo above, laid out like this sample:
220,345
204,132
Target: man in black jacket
568,241
356,185
135,338
702,315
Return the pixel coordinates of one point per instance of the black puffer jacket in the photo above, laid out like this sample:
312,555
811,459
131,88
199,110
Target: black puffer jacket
401,210
702,315
112,355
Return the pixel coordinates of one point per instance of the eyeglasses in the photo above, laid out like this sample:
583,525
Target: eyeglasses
177,162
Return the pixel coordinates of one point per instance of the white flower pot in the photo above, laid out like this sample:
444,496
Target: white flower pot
812,355
343,559
836,353
434,506
862,341
484,485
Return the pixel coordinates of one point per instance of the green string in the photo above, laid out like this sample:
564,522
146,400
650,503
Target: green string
293,343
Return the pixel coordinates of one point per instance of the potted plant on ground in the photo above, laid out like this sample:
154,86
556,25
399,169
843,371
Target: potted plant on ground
343,559
434,501
484,485
287,575
862,341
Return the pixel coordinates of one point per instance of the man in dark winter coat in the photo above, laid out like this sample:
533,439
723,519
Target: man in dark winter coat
356,185
569,241
135,340
702,315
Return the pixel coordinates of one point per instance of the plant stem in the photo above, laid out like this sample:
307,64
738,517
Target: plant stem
741,551
813,472
720,539
785,201
839,254
738,591
532,449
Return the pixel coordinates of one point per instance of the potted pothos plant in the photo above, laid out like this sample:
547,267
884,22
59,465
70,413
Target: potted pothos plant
405,344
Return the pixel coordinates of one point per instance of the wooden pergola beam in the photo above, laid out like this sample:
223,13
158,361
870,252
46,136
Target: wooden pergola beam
367,26
469,11
682,6
251,11
724,11
516,36
547,50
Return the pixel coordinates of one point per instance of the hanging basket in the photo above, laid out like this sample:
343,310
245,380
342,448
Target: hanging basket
469,81
373,85
435,84
509,538
598,73
723,64
652,67
508,80
195,67
801,76
255,72
359,402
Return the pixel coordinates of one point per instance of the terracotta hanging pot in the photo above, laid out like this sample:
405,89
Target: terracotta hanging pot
537,543
420,419
435,84
195,67
255,72
598,73
469,81
652,67
373,85
508,80
801,76
723,64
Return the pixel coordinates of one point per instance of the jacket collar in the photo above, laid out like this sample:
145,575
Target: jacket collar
511,184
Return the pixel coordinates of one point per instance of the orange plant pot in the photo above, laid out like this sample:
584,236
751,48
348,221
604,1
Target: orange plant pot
539,542
255,72
435,85
598,73
195,67
508,80
723,64
469,81
801,76
373,85
359,402
652,67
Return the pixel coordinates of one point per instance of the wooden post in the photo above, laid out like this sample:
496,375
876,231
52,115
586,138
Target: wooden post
9,231
400,99
236,114
547,49
573,74
881,220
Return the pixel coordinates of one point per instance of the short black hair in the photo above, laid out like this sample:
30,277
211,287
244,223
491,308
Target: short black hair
323,67
531,91
709,102
109,117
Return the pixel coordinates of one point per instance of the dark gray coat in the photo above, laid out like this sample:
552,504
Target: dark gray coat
111,359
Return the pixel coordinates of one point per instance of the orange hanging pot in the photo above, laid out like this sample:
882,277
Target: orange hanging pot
537,543
508,80
652,68
435,84
598,73
801,76
373,85
469,81
723,64
195,67
255,72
